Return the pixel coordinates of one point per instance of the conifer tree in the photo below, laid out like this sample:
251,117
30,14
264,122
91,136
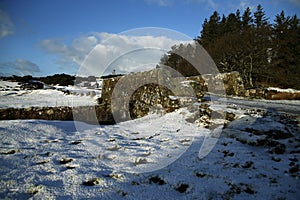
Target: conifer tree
263,53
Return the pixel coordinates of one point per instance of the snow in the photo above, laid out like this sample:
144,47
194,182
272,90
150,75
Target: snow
155,157
155,140
8,84
289,90
12,96
173,98
290,106
159,156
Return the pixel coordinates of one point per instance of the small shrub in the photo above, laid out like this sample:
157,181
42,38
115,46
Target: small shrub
65,160
182,188
157,180
92,182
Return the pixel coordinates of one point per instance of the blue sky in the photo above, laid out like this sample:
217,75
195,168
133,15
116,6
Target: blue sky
43,37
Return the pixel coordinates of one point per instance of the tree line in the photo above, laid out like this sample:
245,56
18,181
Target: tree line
264,53
56,79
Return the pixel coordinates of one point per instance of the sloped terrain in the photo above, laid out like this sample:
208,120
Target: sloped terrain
12,95
155,157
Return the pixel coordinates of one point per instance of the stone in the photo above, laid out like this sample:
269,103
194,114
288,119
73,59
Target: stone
50,111
230,116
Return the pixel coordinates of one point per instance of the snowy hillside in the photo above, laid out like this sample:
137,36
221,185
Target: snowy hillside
256,157
12,96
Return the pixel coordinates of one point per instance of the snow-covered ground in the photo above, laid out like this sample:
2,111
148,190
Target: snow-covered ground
155,157
290,106
12,96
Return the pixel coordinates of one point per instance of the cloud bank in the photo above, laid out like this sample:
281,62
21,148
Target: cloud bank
295,2
100,53
69,53
19,67
6,25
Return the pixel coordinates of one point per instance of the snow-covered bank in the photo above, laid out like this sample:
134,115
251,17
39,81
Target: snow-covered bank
289,90
288,106
256,157
12,96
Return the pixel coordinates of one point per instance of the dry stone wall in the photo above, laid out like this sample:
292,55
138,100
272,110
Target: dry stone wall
88,114
225,83
134,95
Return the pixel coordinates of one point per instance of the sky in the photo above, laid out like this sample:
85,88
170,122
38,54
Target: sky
43,37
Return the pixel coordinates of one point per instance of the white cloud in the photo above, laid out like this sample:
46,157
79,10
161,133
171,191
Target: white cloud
6,25
126,53
19,67
245,4
72,53
141,59
100,53
160,2
210,3
295,2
